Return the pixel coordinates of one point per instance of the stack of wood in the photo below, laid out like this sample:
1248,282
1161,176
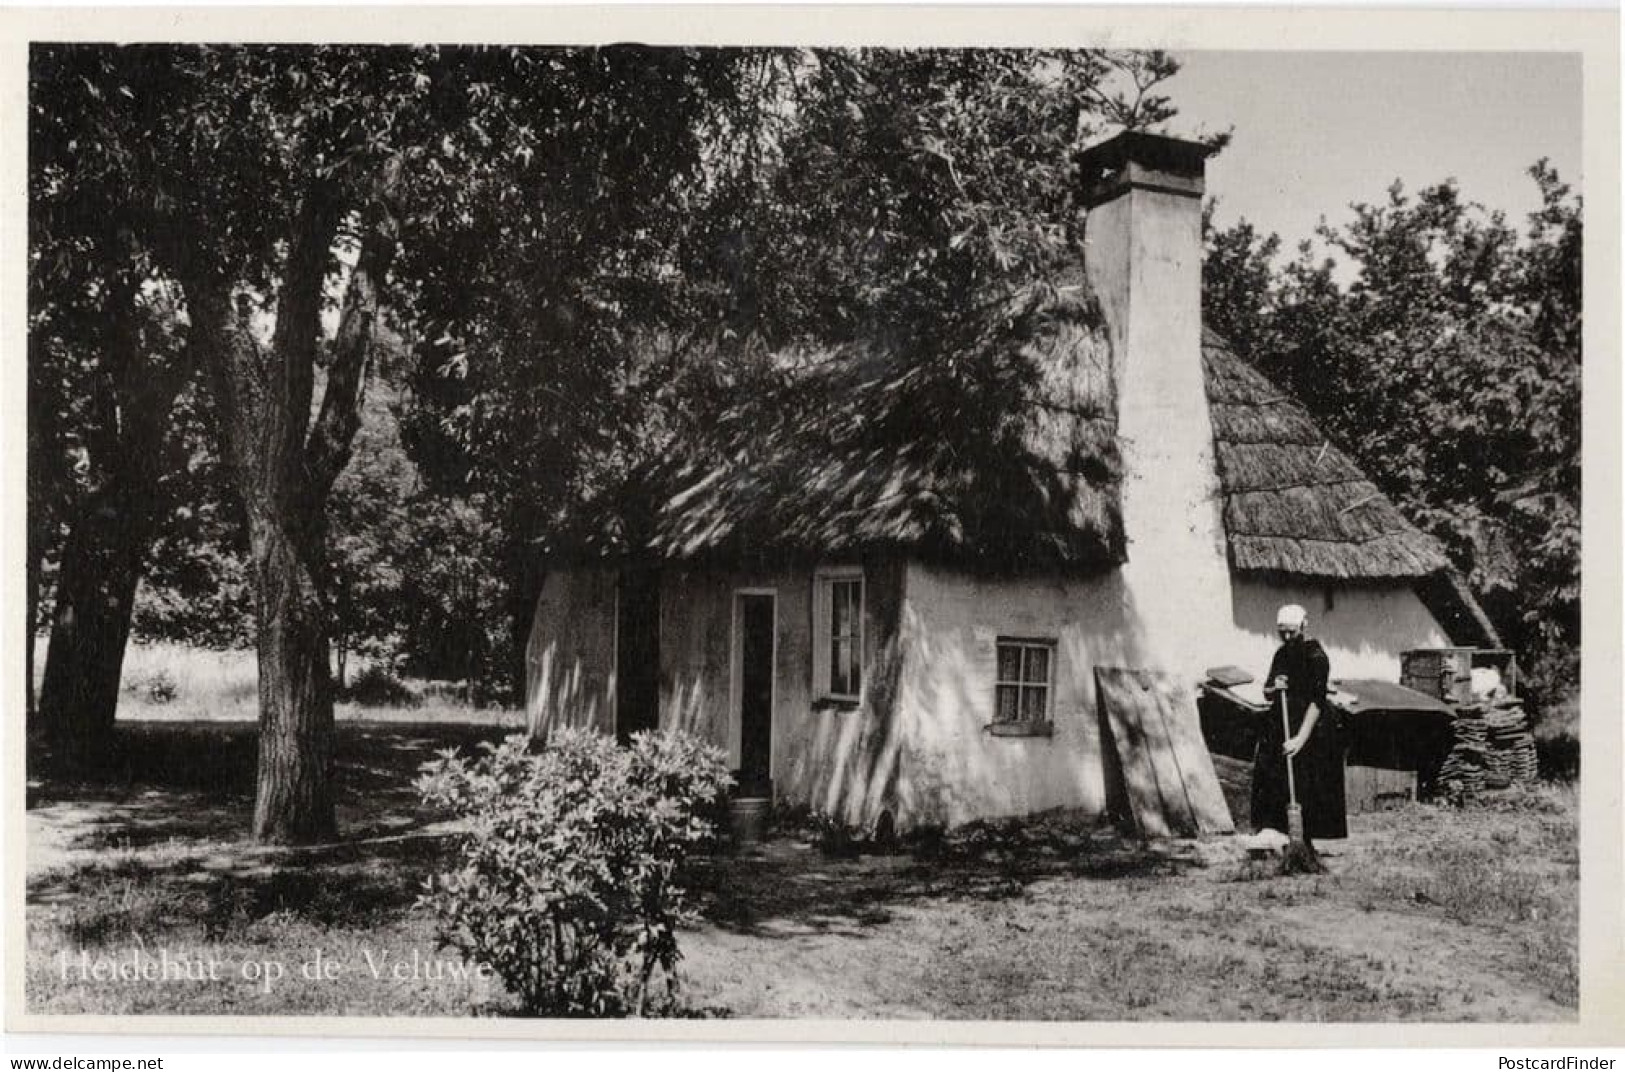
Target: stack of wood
1462,773
1511,757
1493,749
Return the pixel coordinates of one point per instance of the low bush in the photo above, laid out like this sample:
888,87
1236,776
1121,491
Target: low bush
566,886
377,685
1558,756
160,687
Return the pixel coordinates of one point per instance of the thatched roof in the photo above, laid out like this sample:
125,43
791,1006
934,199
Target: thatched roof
1293,503
1005,462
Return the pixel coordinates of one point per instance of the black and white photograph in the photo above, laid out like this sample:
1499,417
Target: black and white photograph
1078,532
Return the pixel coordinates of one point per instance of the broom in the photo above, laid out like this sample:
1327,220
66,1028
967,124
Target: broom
1299,858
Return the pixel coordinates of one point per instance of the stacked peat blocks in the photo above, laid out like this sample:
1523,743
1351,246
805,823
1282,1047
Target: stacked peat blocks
1462,774
1493,749
1512,747
1493,746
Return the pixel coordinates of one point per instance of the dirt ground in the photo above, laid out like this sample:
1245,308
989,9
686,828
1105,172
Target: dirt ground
1425,913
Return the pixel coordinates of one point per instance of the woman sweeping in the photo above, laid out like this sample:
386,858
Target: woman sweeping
1300,669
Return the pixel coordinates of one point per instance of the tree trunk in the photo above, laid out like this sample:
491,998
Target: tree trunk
294,802
525,577
101,564
102,558
285,466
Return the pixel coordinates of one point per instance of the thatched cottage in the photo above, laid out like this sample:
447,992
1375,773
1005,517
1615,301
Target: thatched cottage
881,606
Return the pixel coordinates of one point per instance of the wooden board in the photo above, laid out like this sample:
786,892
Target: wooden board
1150,722
1183,728
1123,711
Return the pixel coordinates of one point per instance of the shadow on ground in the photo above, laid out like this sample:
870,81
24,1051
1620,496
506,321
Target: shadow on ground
786,887
158,833
168,814
189,781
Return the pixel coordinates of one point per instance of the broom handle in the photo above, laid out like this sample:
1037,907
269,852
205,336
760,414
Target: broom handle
1286,734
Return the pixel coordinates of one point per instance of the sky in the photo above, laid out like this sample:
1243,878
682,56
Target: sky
1317,131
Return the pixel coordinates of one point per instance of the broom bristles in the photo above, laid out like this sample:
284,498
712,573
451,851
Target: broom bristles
1300,859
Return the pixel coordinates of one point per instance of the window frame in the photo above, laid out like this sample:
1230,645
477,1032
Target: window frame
1021,684
825,580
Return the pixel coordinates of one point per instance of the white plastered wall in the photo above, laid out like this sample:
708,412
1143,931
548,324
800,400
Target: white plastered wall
841,759
1363,628
570,657
954,770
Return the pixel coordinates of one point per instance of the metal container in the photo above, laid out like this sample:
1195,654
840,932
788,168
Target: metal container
747,819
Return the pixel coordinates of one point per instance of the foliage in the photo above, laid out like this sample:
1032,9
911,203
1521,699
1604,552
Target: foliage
196,586
914,191
160,687
784,196
566,885
1443,353
372,530
377,685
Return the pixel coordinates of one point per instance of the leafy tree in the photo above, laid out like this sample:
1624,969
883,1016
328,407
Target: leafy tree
104,368
538,294
1470,332
196,588
375,522
454,628
106,363
260,181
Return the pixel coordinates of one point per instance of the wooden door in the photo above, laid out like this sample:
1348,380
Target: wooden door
756,614
637,653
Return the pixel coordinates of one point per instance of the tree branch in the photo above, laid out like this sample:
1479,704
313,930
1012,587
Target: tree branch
291,380
327,450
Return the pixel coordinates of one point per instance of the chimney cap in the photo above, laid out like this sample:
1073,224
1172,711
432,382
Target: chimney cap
1137,159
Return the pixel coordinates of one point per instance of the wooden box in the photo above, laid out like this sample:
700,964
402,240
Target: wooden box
1367,789
1446,673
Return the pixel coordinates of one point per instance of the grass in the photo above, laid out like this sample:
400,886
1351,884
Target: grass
177,683
1427,913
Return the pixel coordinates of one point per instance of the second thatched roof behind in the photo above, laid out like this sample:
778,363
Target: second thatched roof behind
1294,504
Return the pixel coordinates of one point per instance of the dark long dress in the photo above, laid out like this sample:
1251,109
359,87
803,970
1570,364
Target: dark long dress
1318,766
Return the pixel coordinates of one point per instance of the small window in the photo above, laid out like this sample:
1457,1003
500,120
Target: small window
1025,680
838,634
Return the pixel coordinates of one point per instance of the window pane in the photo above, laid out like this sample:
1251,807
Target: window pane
1034,704
844,608
1009,662
843,673
1037,665
1006,707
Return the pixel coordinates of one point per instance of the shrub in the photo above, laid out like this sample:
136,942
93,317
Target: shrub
378,686
1558,757
566,886
161,687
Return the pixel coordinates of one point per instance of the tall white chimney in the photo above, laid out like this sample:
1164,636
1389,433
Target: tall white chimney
1143,255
